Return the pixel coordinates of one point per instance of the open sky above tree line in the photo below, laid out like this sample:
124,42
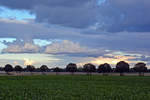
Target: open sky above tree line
57,32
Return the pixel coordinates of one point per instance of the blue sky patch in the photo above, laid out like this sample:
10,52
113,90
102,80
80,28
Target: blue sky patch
15,14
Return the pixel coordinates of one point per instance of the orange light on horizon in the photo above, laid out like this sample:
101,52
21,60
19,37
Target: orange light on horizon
114,60
111,60
15,62
28,62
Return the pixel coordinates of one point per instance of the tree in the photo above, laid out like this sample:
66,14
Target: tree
18,69
140,68
30,68
71,67
8,68
43,69
57,69
1,69
80,69
89,68
104,68
122,67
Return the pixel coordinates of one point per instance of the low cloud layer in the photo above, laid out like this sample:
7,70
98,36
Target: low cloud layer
27,31
59,47
68,47
21,47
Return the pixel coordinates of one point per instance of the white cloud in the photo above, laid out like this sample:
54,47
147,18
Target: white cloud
55,47
24,48
66,46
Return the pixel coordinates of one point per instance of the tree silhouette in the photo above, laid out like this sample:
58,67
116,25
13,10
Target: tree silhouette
1,69
80,69
104,68
8,68
30,68
57,69
71,67
140,68
122,67
18,69
89,68
43,69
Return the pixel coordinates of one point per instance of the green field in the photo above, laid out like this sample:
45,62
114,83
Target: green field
75,87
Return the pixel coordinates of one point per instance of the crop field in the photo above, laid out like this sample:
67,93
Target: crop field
74,87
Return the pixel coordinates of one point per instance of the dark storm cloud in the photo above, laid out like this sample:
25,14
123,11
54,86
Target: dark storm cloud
79,17
70,13
30,4
31,30
111,15
125,15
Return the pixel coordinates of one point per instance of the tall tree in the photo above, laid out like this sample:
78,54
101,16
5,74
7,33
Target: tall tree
43,69
8,68
30,68
89,68
122,67
104,68
18,69
140,68
80,69
56,70
71,67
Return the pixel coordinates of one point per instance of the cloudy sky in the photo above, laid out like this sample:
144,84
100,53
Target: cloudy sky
57,32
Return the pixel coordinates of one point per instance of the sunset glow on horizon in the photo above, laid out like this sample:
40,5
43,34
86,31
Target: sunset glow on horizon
114,60
28,62
110,60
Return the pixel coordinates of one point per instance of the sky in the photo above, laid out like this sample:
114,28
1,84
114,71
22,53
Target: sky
56,33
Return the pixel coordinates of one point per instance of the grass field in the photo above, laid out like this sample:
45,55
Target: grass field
77,87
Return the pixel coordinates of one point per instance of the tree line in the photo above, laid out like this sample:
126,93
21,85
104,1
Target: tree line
89,68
